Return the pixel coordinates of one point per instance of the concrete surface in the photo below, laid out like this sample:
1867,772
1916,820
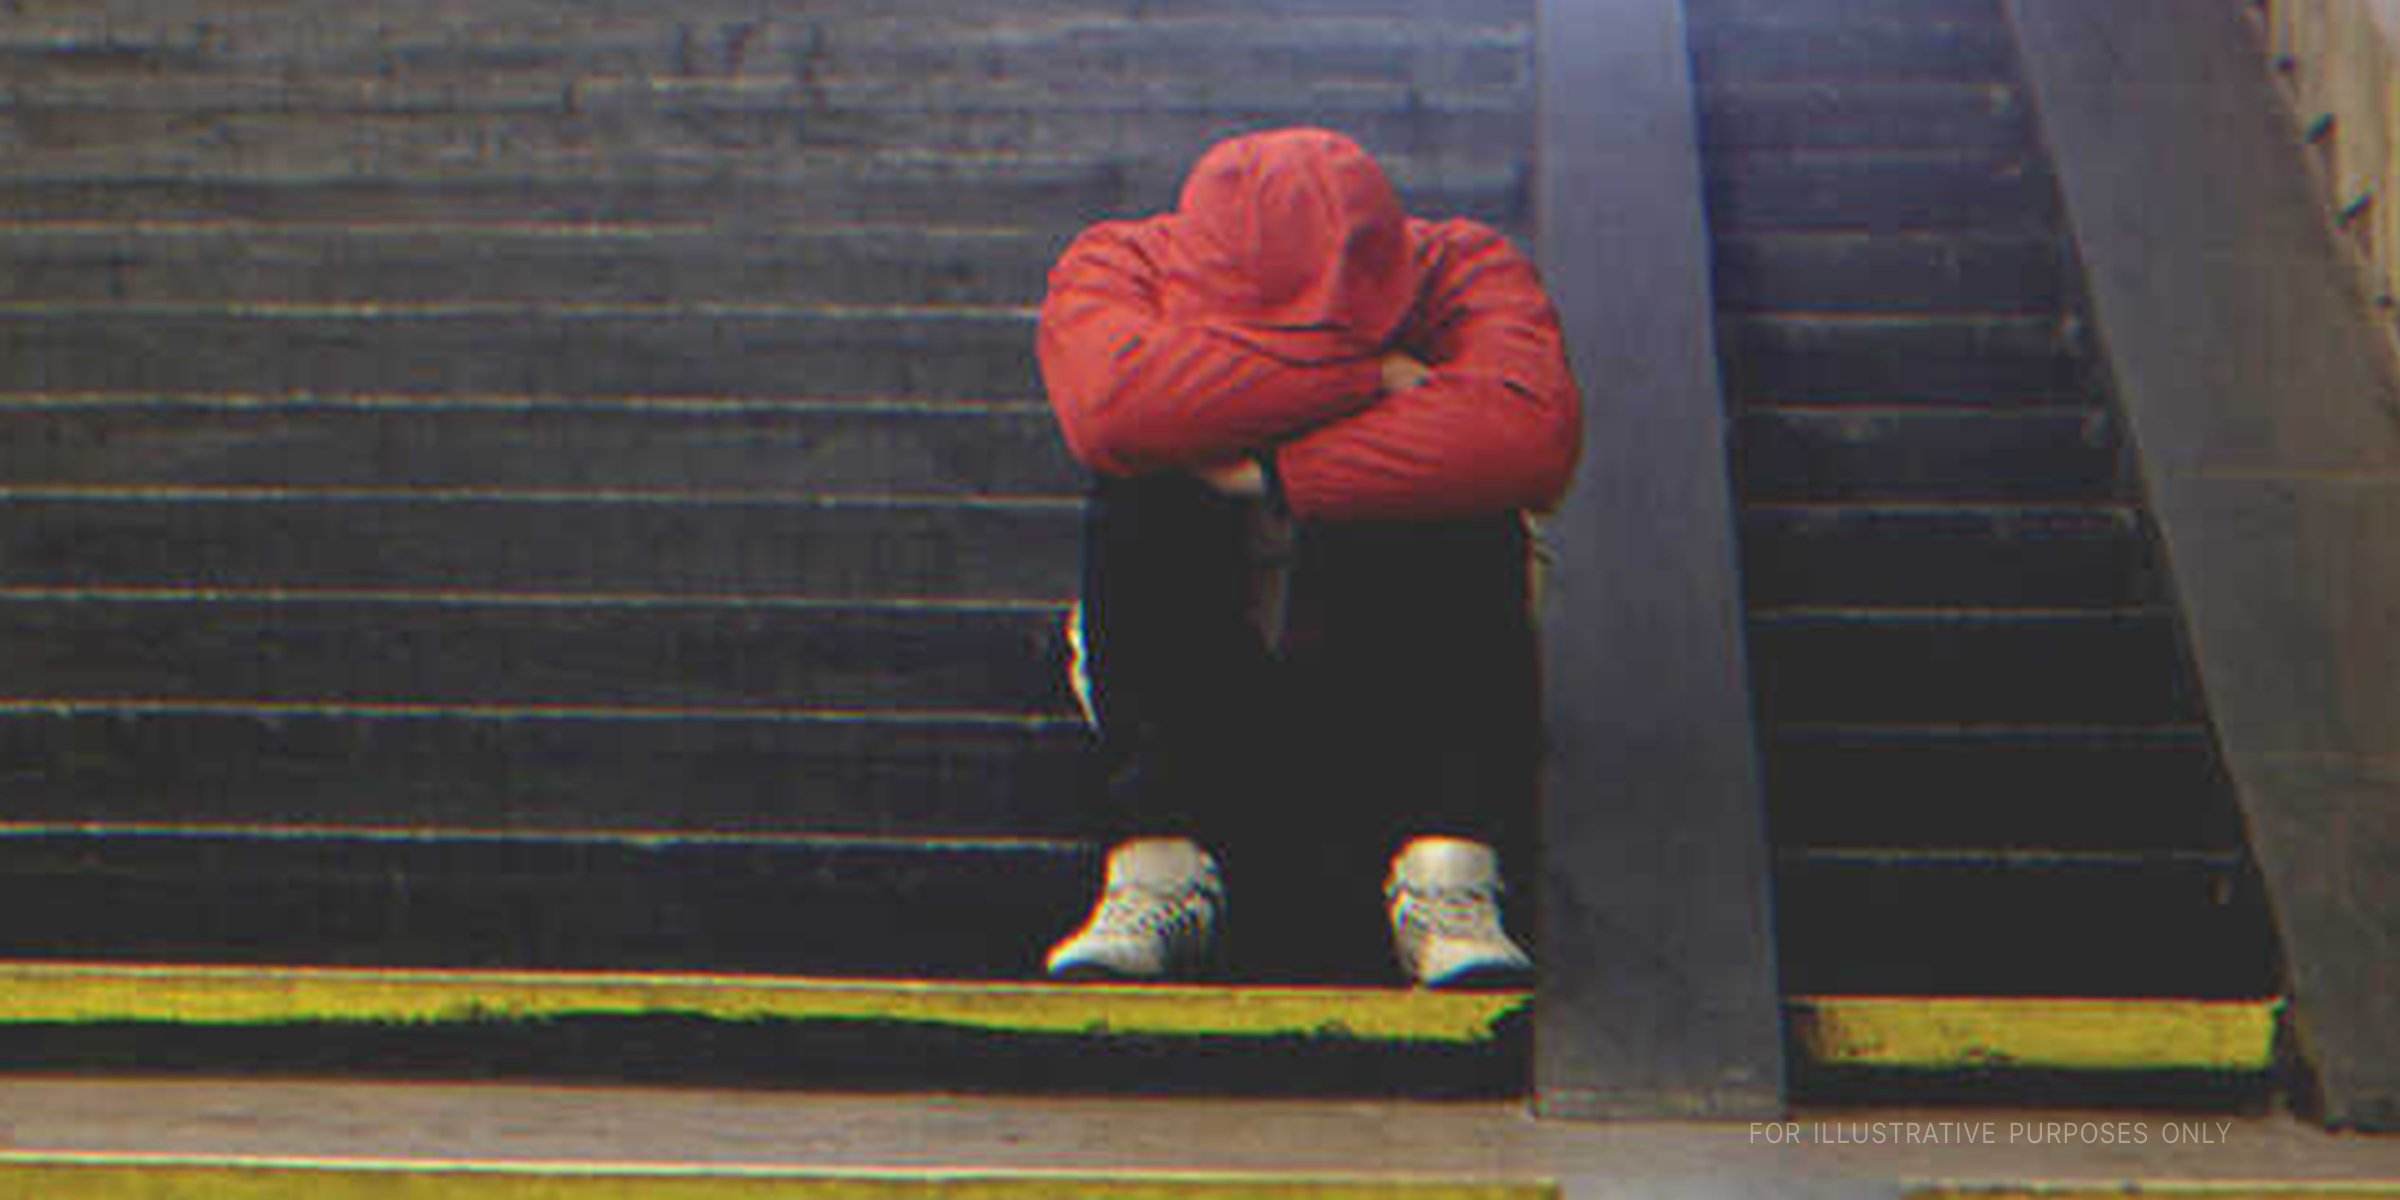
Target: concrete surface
520,1123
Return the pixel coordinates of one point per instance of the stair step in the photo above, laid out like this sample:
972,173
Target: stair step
2044,925
632,900
663,349
1878,191
887,189
2157,789
1834,12
1884,1031
702,14
964,449
556,545
1794,454
1970,668
154,262
452,42
1944,555
95,993
1844,114
1978,357
1890,273
560,770
754,654
79,1175
1809,47
828,906
882,188
1983,1035
728,125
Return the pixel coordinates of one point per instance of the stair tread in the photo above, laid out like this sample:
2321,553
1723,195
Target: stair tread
602,95
2083,929
564,542
1021,191
2091,790
519,902
1862,114
1157,141
959,353
1839,271
918,771
976,908
1997,666
611,449
1807,47
527,263
295,648
147,991
1867,454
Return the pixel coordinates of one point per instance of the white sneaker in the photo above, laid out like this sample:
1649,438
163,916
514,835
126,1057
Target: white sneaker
1444,899
1157,916
1079,667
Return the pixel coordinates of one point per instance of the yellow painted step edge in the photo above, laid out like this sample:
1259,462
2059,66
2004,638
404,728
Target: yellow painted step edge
2174,1189
152,1177
2045,1034
91,993
1840,1031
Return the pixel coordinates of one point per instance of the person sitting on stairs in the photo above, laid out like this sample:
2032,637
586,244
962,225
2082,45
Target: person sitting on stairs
1316,425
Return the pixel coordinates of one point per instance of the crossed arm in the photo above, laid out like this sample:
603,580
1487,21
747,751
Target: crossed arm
1473,412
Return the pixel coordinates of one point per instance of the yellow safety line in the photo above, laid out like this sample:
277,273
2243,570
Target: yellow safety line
84,993
154,1177
1839,1031
1937,1033
2179,1189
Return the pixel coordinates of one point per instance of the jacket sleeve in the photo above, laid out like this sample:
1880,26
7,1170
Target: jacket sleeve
1135,393
1497,427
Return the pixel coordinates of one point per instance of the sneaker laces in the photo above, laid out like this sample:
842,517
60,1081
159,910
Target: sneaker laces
1133,910
1449,911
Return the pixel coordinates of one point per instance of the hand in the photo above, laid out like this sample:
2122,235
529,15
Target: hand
1238,477
1402,371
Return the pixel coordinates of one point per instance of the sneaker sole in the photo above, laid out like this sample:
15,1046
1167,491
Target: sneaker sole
1495,977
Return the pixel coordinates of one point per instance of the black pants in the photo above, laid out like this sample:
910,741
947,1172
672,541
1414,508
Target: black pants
1403,699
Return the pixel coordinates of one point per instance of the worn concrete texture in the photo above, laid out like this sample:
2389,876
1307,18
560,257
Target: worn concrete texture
1850,1152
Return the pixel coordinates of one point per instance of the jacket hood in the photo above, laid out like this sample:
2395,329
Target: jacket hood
1293,242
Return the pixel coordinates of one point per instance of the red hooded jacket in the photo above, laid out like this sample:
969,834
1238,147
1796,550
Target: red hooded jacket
1253,320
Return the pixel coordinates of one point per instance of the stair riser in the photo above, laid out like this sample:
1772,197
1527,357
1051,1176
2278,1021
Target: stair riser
1931,359
1819,455
1835,117
2193,931
1970,559
920,778
1838,12
930,354
827,909
564,66
565,547
917,451
1880,193
501,655
2127,671
1801,51
175,143
1833,273
274,90
1024,195
2079,794
712,35
563,264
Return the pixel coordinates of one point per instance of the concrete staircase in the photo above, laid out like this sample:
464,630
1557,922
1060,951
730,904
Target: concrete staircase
523,486
516,513
1991,772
